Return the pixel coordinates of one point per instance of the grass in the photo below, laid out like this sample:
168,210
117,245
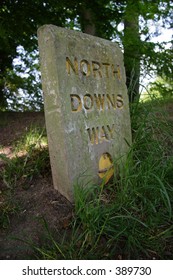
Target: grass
30,159
7,208
130,218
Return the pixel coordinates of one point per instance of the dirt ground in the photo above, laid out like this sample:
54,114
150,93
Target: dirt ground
38,201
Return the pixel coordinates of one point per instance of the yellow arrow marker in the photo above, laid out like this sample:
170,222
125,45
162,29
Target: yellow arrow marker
106,167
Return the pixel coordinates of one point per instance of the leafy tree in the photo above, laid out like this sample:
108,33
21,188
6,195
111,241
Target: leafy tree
20,19
162,87
132,45
141,55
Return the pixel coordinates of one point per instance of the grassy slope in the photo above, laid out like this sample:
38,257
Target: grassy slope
131,218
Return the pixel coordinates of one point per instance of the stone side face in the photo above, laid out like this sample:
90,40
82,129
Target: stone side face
86,105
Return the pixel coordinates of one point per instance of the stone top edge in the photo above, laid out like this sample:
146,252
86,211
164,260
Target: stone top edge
74,33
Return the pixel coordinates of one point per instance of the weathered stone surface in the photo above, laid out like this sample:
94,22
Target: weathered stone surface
86,105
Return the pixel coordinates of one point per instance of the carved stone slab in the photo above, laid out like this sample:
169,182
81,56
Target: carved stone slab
86,106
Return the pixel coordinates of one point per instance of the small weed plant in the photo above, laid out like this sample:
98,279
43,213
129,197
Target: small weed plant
131,218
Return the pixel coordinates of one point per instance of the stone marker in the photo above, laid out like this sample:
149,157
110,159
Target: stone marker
86,106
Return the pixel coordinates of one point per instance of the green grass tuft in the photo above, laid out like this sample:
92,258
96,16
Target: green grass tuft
30,159
131,218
